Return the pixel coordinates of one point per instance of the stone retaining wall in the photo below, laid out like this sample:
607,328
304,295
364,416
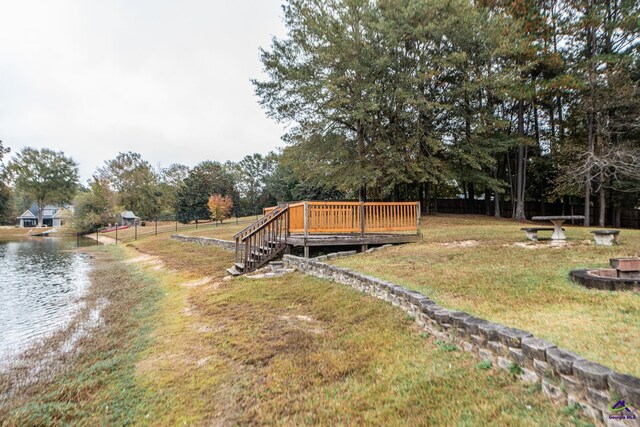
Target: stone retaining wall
564,376
205,241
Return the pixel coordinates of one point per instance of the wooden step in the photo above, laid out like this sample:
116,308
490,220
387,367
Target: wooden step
239,266
232,271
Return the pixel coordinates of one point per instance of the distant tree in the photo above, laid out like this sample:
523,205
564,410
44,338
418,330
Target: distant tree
174,174
205,179
251,176
46,176
3,150
220,207
6,202
280,183
6,195
20,201
135,182
95,208
170,180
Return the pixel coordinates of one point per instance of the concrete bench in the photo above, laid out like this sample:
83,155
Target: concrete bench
606,237
532,232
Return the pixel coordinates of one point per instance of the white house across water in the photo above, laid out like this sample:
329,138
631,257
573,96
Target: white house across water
52,216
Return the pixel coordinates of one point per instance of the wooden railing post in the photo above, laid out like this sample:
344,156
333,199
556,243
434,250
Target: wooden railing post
418,217
287,224
362,219
306,219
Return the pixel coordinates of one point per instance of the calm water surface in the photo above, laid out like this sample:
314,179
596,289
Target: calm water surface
41,280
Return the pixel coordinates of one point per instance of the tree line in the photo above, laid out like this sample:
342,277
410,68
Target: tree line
506,100
129,182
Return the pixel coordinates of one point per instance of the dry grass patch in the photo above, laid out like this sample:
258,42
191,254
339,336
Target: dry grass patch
16,231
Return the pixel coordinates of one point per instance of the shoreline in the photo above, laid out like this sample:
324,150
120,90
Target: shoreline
34,313
53,361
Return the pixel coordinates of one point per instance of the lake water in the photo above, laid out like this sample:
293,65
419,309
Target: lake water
41,280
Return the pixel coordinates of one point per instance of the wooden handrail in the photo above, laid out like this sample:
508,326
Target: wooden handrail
273,218
258,223
317,203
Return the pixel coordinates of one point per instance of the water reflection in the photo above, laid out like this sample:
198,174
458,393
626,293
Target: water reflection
41,280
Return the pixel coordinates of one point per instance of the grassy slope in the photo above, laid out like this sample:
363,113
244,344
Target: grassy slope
305,351
522,287
291,350
226,230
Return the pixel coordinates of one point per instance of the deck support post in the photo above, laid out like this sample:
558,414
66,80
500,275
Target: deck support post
418,218
364,248
306,251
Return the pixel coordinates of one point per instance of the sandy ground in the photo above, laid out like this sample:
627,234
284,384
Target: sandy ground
105,240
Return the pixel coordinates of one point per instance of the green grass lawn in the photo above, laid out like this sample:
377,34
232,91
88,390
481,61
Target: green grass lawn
180,345
486,267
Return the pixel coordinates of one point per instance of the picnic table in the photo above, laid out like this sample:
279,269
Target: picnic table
557,221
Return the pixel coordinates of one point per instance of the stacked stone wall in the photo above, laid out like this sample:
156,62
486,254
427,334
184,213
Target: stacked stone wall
205,241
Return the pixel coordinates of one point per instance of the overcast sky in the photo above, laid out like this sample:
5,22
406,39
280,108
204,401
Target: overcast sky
167,79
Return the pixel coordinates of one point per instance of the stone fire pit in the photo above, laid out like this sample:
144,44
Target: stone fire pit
624,275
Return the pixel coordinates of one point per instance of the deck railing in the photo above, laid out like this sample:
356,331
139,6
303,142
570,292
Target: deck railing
352,217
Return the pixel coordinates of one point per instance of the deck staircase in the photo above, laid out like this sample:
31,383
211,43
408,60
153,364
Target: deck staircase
260,242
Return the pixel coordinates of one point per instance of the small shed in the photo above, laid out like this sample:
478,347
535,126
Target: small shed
128,218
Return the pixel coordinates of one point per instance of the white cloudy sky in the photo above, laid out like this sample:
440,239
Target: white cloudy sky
166,78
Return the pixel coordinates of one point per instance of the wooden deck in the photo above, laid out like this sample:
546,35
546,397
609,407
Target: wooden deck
315,224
